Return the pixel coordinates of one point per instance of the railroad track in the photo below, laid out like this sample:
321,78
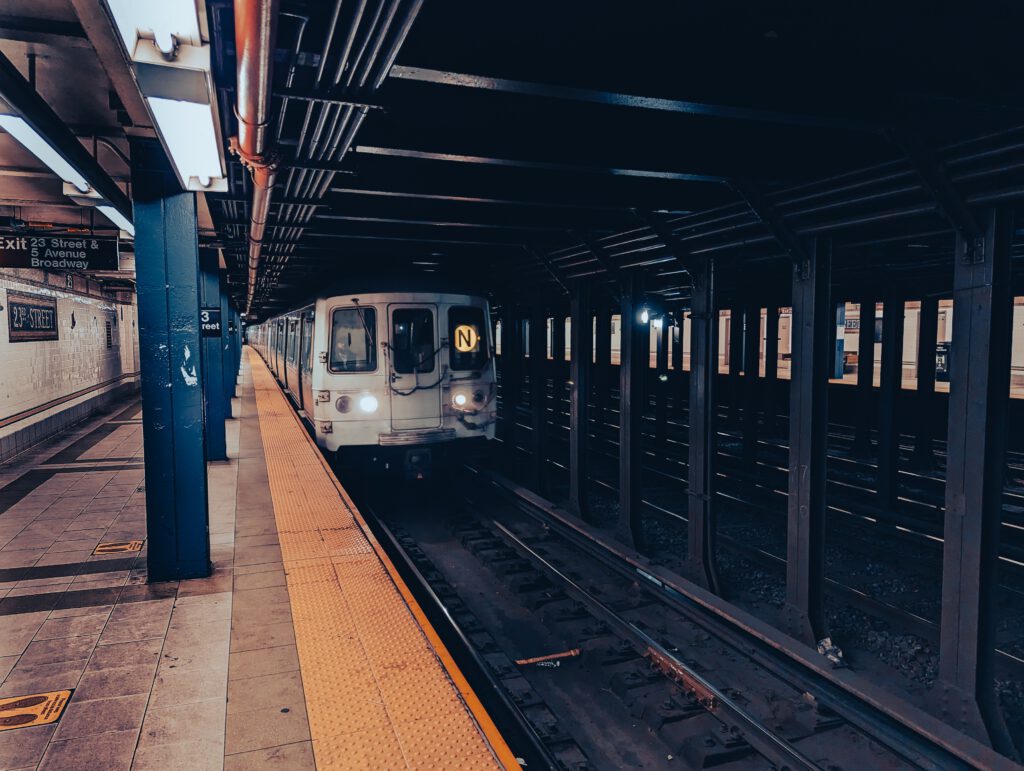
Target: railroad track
705,693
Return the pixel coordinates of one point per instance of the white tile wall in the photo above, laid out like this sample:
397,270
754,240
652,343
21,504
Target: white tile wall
33,373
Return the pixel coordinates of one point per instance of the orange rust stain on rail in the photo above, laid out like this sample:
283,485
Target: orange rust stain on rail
381,689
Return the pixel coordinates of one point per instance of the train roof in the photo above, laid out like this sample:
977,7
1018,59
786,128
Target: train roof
393,283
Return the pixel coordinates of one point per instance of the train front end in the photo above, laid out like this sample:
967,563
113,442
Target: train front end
406,380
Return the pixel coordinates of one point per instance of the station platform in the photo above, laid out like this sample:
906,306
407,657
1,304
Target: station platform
302,650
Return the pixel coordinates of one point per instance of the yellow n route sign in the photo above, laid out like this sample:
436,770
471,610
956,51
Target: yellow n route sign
467,339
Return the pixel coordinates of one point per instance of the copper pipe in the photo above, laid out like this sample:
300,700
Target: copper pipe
255,41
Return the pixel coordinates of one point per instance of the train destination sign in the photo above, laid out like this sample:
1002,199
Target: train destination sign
209,322
467,339
31,317
49,252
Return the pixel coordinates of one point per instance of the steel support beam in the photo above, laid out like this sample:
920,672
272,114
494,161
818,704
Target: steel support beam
770,405
634,344
976,446
603,363
751,379
538,368
511,363
927,338
887,481
703,425
558,344
167,276
735,361
562,168
610,98
217,407
229,375
543,259
677,350
662,387
865,375
813,313
27,103
579,400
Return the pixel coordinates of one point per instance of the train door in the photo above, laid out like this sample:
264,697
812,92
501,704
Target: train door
306,364
415,373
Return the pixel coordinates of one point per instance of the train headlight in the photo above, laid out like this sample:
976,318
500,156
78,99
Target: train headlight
459,400
368,403
344,403
478,397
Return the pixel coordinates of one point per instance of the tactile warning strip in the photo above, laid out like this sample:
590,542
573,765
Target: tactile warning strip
381,690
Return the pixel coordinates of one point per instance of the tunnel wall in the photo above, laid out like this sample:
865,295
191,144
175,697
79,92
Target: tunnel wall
48,385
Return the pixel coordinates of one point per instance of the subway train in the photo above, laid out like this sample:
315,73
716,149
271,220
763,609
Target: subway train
398,379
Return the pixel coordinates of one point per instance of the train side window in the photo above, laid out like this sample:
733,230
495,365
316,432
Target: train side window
467,338
293,341
353,340
412,340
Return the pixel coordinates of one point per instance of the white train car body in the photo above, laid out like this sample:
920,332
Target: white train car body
403,370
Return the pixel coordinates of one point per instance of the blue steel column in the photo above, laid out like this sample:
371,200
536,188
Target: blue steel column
215,401
167,275
238,351
229,375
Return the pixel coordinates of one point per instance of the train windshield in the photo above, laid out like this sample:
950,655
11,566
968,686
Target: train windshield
353,347
467,343
412,340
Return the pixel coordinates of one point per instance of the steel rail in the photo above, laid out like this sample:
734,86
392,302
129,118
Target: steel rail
516,726
758,736
905,729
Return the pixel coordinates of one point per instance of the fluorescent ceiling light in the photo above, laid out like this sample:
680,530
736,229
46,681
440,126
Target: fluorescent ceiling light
118,219
191,139
166,22
18,128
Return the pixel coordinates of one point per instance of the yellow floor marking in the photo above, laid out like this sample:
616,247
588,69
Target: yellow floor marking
381,689
34,709
116,547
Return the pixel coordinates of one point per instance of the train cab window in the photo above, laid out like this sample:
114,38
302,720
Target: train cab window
412,340
467,341
353,340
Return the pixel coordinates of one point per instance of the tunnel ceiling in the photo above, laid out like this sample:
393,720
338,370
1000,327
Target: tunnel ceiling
533,144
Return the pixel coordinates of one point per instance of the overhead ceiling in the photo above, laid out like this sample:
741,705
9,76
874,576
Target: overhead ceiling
531,144
513,142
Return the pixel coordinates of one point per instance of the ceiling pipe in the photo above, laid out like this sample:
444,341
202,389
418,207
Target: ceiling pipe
255,41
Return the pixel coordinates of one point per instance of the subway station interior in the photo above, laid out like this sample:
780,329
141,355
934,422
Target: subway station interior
432,384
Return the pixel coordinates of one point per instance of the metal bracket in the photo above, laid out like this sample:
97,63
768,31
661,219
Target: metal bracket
952,206
603,258
664,232
543,260
773,220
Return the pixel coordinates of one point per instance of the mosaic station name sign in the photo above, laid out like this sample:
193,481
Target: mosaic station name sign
31,317
46,252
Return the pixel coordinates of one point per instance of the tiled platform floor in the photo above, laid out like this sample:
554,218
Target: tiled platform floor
201,675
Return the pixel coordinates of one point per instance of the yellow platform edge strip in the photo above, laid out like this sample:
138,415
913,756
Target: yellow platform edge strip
489,731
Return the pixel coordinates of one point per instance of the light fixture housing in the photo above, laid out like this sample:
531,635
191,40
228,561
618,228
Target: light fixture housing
34,142
168,24
190,135
168,43
117,218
